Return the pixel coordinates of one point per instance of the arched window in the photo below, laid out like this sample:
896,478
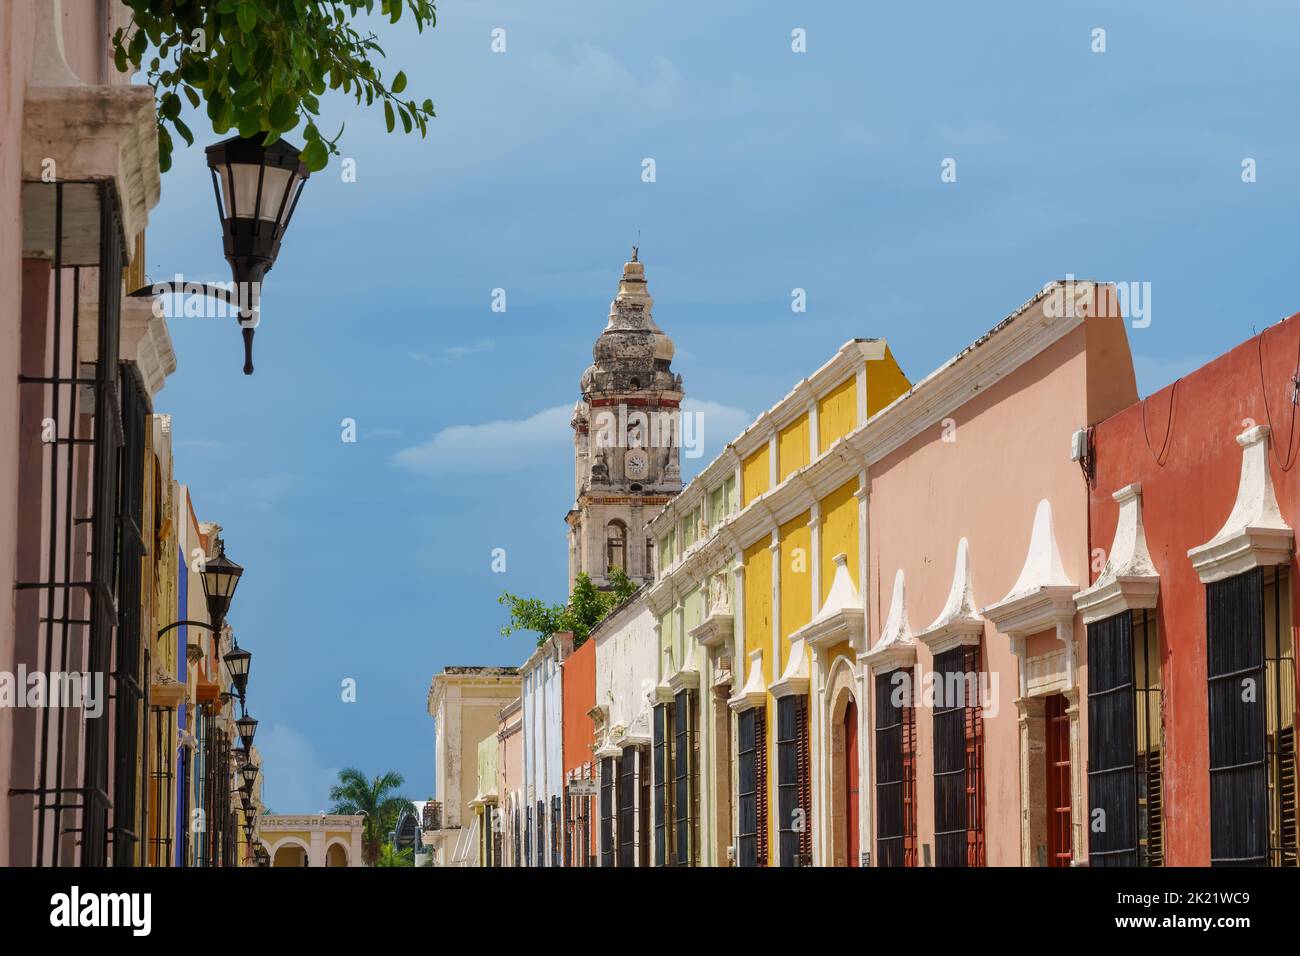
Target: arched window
616,546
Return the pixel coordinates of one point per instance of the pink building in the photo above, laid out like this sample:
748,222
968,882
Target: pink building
978,541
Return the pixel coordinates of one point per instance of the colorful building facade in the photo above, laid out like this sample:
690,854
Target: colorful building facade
1190,629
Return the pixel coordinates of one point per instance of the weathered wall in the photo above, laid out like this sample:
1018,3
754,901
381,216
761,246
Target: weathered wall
1180,444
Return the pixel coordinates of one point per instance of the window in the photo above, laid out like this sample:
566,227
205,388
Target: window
649,557
1252,747
752,788
556,833
616,546
607,811
1060,847
1124,735
958,759
528,836
541,832
486,843
685,768
518,855
663,728
643,806
793,782
717,506
627,808
895,776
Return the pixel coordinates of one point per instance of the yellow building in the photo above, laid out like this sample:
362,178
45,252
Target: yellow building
749,554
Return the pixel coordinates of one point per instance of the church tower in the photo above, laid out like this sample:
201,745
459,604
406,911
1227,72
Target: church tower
626,439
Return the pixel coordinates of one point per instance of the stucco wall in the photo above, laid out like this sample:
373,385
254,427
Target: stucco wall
1180,444
626,667
1011,450
579,697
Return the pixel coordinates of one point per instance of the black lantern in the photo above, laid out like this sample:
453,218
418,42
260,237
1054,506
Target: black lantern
249,771
237,663
246,727
220,578
257,188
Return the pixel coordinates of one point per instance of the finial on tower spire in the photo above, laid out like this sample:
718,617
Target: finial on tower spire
634,251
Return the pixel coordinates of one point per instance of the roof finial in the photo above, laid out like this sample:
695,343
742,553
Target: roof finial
636,246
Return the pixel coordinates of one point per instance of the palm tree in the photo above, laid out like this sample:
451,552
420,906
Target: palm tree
374,798
390,857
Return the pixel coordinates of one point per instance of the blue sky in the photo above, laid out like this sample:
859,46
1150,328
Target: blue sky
774,170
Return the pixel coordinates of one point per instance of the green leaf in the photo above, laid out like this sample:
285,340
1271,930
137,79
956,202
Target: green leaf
119,59
281,113
239,57
315,156
406,119
399,82
388,115
247,17
192,95
184,131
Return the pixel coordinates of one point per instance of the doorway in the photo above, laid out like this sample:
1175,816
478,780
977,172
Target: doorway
851,777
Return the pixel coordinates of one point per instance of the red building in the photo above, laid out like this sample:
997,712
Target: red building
1191,660
578,699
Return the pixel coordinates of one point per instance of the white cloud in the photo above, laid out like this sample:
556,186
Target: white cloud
500,447
295,782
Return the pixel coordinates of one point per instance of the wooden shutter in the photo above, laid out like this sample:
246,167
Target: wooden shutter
950,823
1235,664
607,856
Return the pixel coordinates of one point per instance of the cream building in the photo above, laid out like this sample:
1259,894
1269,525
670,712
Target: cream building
322,840
464,703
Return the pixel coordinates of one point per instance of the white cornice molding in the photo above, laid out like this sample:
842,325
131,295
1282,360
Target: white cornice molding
1012,342
685,679
959,623
1129,580
714,631
841,617
896,646
794,680
1043,596
841,366
754,693
1255,534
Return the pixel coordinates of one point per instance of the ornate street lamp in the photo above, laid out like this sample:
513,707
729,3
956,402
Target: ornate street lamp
249,771
246,727
237,663
220,578
257,189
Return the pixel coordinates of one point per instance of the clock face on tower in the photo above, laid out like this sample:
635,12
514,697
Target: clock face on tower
636,463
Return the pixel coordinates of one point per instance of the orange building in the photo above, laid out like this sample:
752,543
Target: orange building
578,695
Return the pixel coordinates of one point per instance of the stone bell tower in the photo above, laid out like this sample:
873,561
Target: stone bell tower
626,439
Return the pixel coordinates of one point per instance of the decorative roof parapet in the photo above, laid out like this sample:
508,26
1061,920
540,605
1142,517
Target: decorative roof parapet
1255,534
959,623
1129,581
896,646
1043,596
754,693
841,616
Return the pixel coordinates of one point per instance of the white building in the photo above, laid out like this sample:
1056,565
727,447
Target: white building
541,696
626,676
